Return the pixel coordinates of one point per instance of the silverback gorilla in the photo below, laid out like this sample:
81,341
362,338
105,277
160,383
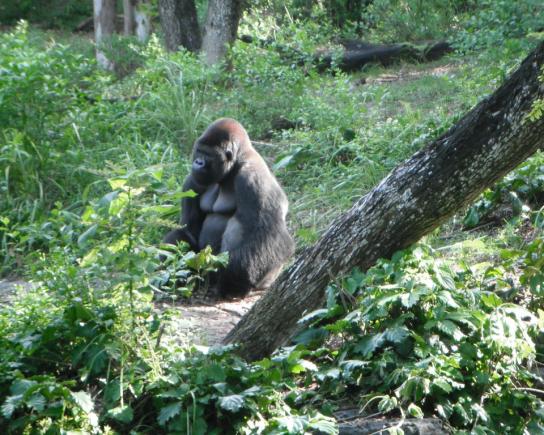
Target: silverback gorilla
240,209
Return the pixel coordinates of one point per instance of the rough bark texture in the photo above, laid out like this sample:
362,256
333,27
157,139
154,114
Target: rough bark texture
180,24
220,29
416,197
104,26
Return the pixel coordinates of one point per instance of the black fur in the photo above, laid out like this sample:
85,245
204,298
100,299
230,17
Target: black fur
240,208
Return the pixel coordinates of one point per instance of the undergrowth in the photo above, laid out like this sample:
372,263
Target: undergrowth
91,166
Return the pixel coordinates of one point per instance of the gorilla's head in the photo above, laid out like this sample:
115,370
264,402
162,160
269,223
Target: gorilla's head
216,152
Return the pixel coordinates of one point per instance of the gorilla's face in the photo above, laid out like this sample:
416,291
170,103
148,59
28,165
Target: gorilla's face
211,162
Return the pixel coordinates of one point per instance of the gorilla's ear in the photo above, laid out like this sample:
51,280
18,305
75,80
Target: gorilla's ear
229,155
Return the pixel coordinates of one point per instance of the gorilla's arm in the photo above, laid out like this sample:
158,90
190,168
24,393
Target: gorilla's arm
191,218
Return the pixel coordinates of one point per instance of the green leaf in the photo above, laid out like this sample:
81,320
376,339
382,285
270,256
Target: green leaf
461,412
387,403
333,373
156,172
480,412
168,412
291,424
21,386
491,300
112,392
89,232
311,336
415,411
36,402
369,343
322,424
11,403
252,391
352,364
447,298
106,200
232,403
124,414
443,277
180,195
215,372
314,315
117,183
118,204
472,218
308,365
284,162
450,328
443,385
397,334
83,400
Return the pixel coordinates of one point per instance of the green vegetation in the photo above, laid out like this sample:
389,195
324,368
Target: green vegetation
91,165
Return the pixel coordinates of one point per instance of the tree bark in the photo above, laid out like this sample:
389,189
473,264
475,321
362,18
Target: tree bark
136,19
104,26
180,24
416,197
220,29
142,20
128,17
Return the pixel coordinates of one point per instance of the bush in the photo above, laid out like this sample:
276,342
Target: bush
41,92
49,13
420,335
412,20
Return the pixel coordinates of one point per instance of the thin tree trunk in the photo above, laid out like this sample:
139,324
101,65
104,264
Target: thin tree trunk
142,20
416,197
104,26
128,17
180,24
220,29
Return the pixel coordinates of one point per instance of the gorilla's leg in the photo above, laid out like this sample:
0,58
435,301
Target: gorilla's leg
180,234
230,285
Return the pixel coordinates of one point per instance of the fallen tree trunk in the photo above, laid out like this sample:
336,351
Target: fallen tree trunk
416,197
356,54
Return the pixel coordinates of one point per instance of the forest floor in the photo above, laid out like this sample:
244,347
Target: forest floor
201,322
207,322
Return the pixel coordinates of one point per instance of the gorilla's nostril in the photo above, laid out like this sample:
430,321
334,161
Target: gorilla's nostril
199,163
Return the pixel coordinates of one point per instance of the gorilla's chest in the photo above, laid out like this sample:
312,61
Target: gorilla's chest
218,199
218,203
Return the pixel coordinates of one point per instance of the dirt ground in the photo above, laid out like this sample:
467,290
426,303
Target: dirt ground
207,323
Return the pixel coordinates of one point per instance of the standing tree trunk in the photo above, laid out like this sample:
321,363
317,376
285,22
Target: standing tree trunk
136,19
220,29
142,20
104,26
128,17
416,197
180,24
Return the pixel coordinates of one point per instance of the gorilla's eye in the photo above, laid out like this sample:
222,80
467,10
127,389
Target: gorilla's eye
228,154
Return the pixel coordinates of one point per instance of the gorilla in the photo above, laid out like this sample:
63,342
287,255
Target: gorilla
240,209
